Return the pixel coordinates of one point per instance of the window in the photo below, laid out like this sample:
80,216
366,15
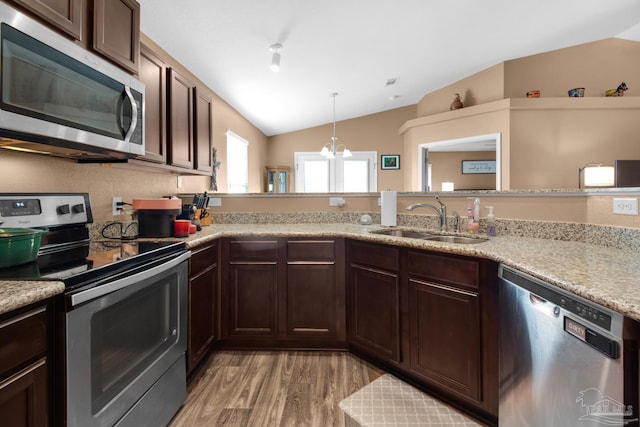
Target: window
237,164
317,174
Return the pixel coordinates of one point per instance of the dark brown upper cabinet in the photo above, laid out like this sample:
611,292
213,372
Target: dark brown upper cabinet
180,134
203,130
65,15
116,31
153,73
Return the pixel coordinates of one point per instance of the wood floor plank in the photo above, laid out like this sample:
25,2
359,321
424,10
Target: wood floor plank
297,388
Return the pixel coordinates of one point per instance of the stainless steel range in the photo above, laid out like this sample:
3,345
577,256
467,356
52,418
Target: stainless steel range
121,322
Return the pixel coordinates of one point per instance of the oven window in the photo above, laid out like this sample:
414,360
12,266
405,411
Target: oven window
128,336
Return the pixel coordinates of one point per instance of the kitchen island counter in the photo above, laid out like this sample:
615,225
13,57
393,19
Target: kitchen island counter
604,275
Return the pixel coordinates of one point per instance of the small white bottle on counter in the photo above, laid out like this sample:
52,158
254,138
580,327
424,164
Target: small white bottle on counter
491,222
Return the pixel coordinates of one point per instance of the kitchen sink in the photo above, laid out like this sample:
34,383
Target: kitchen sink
404,233
456,239
412,234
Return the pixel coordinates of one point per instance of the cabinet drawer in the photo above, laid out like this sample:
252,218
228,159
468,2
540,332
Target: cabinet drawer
253,250
22,338
311,250
203,257
445,269
386,257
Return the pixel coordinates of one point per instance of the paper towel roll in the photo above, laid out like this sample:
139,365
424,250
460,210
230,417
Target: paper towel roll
388,208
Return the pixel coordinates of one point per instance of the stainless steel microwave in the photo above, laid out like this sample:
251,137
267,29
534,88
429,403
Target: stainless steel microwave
60,99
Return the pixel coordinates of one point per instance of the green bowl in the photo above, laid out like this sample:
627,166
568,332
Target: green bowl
19,245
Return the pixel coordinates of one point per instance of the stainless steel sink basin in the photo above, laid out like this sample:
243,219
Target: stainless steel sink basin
403,233
423,235
456,239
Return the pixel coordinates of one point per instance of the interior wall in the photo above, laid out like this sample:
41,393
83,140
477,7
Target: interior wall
447,166
549,145
596,66
596,210
479,88
375,132
463,123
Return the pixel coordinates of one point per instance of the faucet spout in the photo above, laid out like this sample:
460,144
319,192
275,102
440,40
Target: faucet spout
441,211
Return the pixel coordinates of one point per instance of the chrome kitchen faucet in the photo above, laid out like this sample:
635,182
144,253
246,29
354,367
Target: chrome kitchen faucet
442,211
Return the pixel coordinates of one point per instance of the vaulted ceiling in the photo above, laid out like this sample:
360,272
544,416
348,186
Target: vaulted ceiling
355,47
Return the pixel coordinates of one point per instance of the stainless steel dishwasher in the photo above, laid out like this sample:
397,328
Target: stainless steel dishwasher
561,358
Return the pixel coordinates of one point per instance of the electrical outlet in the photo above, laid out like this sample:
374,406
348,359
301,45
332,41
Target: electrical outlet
626,206
115,209
336,201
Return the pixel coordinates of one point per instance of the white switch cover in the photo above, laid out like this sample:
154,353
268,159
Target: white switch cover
214,201
625,206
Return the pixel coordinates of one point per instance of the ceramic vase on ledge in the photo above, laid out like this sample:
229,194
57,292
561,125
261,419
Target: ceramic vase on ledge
457,103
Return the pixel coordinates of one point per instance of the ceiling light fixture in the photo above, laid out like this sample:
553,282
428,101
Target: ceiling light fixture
275,58
331,149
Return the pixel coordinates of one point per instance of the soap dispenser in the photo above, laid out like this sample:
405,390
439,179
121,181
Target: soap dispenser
491,222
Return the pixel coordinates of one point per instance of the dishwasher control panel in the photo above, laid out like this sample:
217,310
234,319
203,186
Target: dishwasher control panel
596,340
587,312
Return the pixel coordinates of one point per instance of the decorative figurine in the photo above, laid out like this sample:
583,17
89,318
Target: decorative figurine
457,103
619,91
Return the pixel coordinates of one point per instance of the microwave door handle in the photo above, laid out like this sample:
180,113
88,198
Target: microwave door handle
134,114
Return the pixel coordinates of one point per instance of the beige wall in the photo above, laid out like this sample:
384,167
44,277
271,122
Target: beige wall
544,140
375,132
480,120
447,166
596,66
479,88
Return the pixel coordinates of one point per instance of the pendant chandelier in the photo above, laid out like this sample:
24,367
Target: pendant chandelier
330,150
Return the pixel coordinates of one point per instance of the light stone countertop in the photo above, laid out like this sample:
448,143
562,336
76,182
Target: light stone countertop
607,276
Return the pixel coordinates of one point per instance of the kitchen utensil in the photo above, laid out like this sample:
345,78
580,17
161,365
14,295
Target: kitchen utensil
19,245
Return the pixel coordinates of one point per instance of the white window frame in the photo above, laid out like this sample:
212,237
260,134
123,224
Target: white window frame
336,169
233,164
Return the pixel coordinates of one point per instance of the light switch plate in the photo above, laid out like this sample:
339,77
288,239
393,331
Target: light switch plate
336,201
214,201
625,206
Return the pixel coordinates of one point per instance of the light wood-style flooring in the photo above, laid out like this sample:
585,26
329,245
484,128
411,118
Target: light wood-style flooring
283,388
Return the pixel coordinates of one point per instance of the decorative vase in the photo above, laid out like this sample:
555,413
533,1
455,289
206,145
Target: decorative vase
457,103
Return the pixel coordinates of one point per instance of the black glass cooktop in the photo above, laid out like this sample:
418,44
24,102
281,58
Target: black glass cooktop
91,261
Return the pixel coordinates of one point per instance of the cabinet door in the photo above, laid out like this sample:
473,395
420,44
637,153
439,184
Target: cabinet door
203,130
252,305
65,15
116,31
180,136
445,341
203,303
375,312
311,300
153,73
24,397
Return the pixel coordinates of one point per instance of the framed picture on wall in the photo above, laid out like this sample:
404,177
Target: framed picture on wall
478,166
390,161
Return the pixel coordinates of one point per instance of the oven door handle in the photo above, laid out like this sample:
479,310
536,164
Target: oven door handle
98,291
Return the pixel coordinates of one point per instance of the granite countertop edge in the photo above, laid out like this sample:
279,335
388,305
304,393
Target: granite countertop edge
607,276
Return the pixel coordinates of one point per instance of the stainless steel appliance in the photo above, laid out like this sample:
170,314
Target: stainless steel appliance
562,358
60,99
121,321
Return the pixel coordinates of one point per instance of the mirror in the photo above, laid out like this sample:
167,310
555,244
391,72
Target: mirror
461,164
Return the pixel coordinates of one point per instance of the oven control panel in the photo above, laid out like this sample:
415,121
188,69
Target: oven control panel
44,210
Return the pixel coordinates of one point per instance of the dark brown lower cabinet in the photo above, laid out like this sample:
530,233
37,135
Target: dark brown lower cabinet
428,317
202,311
283,293
445,336
24,371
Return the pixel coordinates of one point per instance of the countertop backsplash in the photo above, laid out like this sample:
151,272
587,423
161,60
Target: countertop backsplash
608,236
